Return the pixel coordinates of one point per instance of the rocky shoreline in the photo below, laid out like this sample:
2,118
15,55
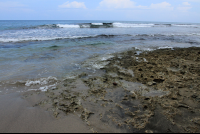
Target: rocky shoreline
151,91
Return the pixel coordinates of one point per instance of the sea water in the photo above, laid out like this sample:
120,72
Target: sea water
45,52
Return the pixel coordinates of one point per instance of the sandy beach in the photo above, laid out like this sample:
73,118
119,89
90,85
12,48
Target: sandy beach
19,116
150,91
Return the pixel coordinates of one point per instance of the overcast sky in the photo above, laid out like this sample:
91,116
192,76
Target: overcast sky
124,10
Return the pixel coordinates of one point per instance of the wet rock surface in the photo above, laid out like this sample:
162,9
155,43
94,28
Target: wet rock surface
153,91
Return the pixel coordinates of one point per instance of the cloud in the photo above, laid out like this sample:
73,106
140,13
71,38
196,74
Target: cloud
123,4
117,4
193,0
186,4
11,4
184,7
163,5
73,4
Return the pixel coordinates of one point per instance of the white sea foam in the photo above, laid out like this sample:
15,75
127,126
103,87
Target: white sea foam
39,39
128,25
148,49
98,66
182,25
68,26
97,62
106,57
97,23
71,77
166,47
42,81
44,88
145,60
85,26
29,83
143,49
185,25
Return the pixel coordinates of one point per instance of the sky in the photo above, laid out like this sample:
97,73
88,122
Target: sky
120,10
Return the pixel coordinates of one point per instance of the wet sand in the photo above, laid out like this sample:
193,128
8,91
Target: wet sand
156,91
20,116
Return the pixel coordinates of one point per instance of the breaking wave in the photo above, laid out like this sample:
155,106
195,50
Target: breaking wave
28,39
7,40
127,25
108,25
122,25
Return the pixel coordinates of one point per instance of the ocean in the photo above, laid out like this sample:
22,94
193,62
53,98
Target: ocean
43,53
